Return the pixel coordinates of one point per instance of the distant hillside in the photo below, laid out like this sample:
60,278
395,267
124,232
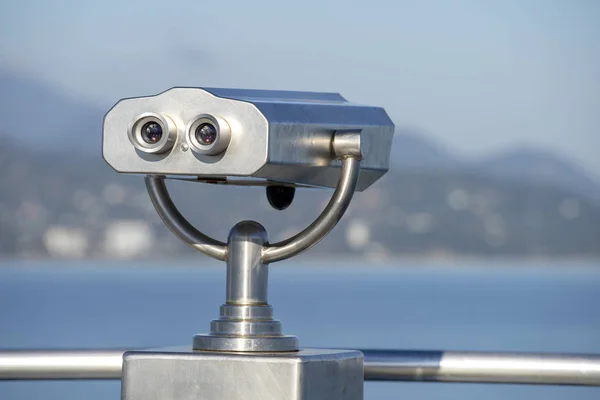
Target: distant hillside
542,168
412,151
43,118
61,207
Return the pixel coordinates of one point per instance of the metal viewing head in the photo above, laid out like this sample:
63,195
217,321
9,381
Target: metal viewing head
278,136
286,139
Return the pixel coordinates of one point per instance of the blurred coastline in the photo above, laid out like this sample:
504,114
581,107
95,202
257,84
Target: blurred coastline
495,107
77,208
333,264
61,201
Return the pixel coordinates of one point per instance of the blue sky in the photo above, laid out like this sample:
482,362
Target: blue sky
479,76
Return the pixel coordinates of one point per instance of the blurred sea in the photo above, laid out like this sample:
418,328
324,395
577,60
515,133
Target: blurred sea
527,307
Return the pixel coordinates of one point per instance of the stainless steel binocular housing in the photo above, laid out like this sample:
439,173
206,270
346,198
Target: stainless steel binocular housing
277,136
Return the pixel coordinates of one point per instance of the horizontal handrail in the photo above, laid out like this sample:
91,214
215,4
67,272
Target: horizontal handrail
379,365
60,364
482,367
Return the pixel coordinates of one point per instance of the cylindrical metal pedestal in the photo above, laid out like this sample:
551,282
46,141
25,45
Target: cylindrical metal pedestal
246,322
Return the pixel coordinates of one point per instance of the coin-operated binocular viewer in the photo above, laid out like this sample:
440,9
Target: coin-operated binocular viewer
278,139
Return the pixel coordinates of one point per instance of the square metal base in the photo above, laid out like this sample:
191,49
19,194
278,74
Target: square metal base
182,374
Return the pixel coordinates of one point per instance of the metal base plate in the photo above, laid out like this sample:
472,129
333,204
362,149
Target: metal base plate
183,374
241,344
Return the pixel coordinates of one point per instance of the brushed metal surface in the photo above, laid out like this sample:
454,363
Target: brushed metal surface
325,222
60,364
275,135
245,344
182,374
247,275
248,254
246,321
245,155
449,366
379,365
347,178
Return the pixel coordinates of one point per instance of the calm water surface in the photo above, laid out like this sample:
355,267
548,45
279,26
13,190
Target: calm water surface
522,308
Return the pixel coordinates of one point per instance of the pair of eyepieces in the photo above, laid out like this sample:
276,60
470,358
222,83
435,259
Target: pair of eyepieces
156,134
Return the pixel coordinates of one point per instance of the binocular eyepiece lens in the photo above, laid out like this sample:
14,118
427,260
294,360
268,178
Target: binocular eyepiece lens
206,133
151,132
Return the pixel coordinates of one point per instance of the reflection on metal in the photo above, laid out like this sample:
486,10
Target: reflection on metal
60,364
241,182
246,319
180,373
330,216
290,138
245,355
168,212
279,136
246,322
379,365
441,366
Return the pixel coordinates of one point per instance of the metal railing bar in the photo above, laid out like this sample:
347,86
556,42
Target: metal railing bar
379,365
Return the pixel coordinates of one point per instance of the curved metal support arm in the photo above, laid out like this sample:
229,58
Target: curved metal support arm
178,224
325,222
345,145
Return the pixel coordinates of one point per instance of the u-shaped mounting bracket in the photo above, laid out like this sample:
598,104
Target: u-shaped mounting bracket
246,321
345,146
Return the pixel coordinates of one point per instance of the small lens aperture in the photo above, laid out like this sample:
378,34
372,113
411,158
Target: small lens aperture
151,132
206,134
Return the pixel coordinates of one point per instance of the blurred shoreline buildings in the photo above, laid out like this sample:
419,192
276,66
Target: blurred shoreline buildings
58,199
478,76
426,214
